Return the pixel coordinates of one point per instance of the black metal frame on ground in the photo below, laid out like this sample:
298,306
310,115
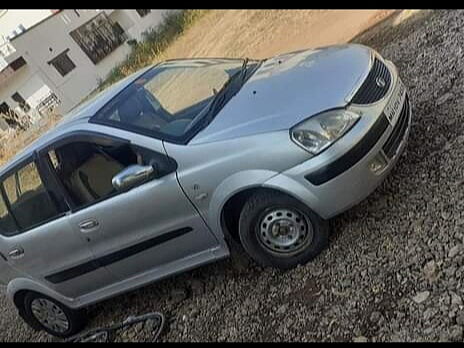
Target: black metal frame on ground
107,334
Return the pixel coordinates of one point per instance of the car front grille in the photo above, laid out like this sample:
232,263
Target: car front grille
375,86
394,140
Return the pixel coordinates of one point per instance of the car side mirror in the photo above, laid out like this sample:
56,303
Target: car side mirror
132,176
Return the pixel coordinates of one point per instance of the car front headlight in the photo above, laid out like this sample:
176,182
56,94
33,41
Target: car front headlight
319,132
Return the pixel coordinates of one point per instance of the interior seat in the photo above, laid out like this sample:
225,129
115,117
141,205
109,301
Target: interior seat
86,173
92,180
32,207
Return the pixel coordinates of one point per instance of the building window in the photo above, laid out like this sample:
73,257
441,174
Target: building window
62,63
21,101
143,13
99,37
17,63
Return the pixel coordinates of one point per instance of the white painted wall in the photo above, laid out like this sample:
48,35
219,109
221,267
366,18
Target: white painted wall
145,23
26,83
11,19
38,46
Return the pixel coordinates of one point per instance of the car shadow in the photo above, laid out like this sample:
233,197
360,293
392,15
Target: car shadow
175,294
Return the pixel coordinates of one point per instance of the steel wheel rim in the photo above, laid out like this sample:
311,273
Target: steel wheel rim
284,231
50,315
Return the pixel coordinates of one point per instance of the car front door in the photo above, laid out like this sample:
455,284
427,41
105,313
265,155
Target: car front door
36,237
145,232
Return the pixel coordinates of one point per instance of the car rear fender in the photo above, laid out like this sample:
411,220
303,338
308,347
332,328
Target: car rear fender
25,284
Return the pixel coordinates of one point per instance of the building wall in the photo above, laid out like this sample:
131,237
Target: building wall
145,23
27,83
49,38
38,47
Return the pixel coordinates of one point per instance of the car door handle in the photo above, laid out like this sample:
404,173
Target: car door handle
88,225
16,253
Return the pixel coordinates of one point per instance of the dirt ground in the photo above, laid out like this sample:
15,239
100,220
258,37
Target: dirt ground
263,33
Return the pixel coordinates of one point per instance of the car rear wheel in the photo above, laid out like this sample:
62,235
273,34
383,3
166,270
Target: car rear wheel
279,231
52,316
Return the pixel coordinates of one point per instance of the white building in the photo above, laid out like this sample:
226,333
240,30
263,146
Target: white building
60,59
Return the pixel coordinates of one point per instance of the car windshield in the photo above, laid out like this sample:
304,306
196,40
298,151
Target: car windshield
168,100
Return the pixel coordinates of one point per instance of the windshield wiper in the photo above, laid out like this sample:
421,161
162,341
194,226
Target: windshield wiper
243,70
220,96
238,75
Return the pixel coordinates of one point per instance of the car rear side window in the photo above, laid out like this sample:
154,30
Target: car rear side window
29,201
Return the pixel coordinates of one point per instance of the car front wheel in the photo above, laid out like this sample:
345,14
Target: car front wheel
279,231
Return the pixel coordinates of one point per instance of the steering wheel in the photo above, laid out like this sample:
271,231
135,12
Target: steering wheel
156,105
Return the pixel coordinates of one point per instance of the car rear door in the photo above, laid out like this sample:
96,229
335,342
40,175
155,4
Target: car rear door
36,236
152,228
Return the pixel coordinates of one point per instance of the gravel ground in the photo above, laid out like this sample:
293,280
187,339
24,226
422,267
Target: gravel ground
393,271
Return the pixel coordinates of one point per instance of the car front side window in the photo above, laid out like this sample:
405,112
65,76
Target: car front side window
86,168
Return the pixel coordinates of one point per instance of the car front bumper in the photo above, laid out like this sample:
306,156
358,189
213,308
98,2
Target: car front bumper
343,175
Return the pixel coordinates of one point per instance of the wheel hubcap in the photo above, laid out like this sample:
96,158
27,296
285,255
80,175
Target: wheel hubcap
50,315
285,231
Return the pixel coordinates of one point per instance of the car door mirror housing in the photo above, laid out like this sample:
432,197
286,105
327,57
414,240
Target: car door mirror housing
132,175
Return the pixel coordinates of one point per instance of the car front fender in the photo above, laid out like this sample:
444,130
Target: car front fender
232,185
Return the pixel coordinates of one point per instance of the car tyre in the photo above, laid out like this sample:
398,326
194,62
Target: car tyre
63,322
279,231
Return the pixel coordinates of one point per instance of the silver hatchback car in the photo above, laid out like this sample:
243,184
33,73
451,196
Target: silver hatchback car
161,172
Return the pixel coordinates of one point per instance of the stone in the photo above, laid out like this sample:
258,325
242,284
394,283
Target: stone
138,327
444,98
428,330
454,251
282,309
456,333
455,299
375,317
460,318
421,296
430,271
360,339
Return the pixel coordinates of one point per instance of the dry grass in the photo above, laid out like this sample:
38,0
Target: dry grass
14,141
